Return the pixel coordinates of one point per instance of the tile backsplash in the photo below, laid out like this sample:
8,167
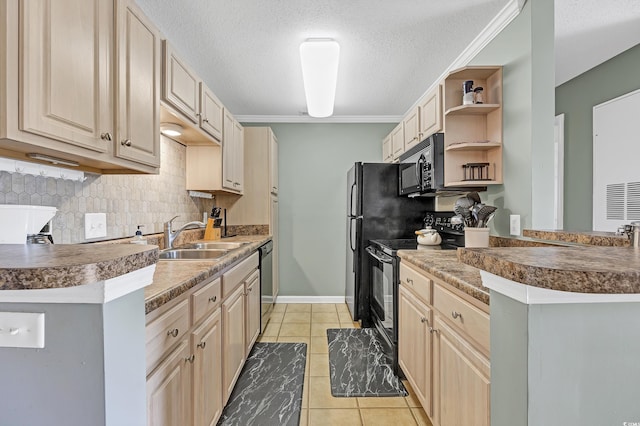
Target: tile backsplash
128,200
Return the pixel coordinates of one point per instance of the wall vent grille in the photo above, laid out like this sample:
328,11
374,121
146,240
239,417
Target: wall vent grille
633,201
615,201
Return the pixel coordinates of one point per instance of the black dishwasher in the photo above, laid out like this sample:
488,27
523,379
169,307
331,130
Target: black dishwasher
266,283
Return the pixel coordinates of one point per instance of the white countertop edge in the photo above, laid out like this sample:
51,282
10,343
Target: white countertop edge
99,292
530,295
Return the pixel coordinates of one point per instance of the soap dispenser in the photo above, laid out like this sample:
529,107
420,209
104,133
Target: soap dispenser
139,239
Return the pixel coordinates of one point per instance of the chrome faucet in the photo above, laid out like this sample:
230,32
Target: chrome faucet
170,235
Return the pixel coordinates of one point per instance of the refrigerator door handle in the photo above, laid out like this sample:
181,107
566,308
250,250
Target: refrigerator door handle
351,213
351,231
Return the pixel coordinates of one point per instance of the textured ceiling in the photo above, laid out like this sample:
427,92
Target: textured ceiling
589,32
391,51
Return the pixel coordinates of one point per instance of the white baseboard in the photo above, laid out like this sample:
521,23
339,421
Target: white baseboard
310,299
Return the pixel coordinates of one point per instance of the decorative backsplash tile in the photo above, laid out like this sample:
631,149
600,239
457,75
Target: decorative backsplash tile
128,200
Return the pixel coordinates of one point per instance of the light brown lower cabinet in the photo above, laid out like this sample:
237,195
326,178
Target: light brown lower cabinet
206,346
443,349
233,334
197,345
461,386
414,345
169,389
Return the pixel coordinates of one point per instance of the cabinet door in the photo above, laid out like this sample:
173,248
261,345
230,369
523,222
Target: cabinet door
138,87
273,227
273,163
414,345
238,155
397,141
228,151
253,310
206,345
431,113
211,110
387,154
180,85
461,380
411,129
233,340
65,71
169,389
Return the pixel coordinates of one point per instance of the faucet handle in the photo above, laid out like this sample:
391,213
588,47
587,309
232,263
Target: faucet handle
172,219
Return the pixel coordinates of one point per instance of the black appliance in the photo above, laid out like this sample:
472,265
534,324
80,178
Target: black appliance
385,275
422,167
374,211
266,283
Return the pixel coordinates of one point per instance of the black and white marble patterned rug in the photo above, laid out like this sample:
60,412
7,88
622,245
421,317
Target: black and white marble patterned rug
269,389
358,366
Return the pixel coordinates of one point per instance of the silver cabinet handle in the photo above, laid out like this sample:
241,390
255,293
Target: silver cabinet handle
409,281
213,298
106,136
424,320
190,359
433,330
198,114
202,345
456,315
206,120
126,142
173,333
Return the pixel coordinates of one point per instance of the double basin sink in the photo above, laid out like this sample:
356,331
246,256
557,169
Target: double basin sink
200,251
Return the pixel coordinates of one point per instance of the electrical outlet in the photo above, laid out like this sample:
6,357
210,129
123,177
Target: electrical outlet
514,224
95,225
21,330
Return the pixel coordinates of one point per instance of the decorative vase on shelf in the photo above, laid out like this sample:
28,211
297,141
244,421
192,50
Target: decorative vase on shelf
476,237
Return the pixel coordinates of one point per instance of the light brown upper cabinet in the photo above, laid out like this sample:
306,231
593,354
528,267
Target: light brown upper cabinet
189,102
216,168
411,124
473,133
431,112
91,97
397,141
387,153
273,162
138,86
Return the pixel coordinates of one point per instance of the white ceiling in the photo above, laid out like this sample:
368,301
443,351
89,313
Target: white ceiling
247,50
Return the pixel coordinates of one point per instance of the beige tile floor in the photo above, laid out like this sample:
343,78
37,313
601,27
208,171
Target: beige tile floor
308,323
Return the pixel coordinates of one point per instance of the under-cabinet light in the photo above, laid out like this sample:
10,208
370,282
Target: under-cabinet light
319,58
52,160
171,129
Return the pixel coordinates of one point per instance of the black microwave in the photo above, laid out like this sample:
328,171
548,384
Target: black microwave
421,169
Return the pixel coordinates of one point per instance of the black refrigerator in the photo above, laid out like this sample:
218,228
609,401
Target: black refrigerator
375,211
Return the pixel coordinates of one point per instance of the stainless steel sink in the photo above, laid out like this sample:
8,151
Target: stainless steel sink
214,245
191,254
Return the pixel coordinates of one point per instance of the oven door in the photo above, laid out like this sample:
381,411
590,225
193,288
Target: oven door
409,179
382,291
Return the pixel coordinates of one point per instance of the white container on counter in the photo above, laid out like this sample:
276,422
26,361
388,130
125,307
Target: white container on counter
476,237
18,221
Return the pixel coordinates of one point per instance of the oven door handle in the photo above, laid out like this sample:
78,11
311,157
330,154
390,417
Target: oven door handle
384,258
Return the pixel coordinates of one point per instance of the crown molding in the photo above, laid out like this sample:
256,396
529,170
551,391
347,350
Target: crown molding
493,28
307,119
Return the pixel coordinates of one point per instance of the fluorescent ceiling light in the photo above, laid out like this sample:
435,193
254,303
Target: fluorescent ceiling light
171,129
319,59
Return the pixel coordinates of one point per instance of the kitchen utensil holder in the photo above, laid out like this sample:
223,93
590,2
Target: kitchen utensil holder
476,237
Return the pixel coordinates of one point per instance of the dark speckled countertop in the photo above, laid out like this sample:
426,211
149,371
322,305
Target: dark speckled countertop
174,277
42,266
580,269
593,238
444,264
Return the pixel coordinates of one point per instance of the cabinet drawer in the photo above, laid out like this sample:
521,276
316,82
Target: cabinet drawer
206,300
471,320
238,273
165,331
417,282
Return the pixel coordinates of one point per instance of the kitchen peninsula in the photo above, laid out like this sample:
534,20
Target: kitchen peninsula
564,333
83,344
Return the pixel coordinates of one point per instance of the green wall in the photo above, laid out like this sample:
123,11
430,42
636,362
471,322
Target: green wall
527,116
576,99
313,164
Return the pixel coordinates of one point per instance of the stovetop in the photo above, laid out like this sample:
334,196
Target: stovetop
391,247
